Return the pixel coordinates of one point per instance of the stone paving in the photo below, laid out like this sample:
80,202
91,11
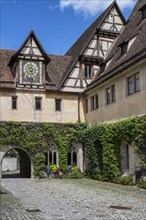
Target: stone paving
12,209
66,199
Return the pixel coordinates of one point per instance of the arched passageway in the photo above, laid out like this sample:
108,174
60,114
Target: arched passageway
24,163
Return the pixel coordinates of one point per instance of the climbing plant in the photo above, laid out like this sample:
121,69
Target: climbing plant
35,137
102,142
103,146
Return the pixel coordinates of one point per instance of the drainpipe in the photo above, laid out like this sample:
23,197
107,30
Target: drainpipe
79,96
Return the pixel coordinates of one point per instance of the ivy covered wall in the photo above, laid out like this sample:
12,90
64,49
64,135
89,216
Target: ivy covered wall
102,142
35,137
103,146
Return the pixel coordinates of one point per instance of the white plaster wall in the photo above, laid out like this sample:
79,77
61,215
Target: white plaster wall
27,112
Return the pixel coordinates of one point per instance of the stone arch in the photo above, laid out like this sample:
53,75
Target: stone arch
26,168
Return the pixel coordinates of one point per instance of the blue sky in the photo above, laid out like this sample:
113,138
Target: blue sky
57,24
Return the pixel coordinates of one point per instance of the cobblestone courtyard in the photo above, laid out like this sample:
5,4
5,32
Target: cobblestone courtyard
62,199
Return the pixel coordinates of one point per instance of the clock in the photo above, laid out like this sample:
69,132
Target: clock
30,72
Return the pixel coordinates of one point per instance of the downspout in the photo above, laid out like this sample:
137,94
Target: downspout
79,97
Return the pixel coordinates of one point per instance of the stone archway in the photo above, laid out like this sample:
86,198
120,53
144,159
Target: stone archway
26,168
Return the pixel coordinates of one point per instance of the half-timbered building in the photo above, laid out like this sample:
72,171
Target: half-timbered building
101,78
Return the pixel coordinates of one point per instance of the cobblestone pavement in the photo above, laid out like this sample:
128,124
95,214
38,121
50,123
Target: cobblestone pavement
12,209
84,199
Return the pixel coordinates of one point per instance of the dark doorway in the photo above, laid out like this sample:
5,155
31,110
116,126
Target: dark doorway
22,166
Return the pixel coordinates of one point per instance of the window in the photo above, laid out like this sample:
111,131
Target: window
113,96
133,84
14,102
89,71
108,100
124,47
38,103
130,85
96,101
92,103
52,153
144,12
72,155
58,104
110,95
86,103
137,82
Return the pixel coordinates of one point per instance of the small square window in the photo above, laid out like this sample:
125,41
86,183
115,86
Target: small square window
14,102
38,103
58,104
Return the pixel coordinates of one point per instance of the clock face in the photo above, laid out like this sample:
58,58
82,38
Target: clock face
30,72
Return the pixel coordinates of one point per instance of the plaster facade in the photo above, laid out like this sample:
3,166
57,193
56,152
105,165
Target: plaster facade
125,105
26,107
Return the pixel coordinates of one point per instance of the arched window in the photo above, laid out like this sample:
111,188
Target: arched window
74,158
50,157
54,157
52,153
72,155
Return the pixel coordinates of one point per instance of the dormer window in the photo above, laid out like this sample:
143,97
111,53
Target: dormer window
124,47
89,73
143,11
102,67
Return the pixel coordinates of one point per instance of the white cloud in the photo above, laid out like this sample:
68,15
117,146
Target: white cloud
92,7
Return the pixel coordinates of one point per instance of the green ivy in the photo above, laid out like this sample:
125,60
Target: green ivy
102,142
103,146
35,137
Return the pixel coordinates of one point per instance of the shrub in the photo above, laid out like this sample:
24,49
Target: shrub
142,184
126,180
73,172
75,175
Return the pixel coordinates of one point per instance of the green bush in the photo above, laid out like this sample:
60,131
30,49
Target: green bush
126,180
74,175
142,184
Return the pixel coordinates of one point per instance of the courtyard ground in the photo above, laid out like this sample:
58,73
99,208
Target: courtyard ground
66,199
